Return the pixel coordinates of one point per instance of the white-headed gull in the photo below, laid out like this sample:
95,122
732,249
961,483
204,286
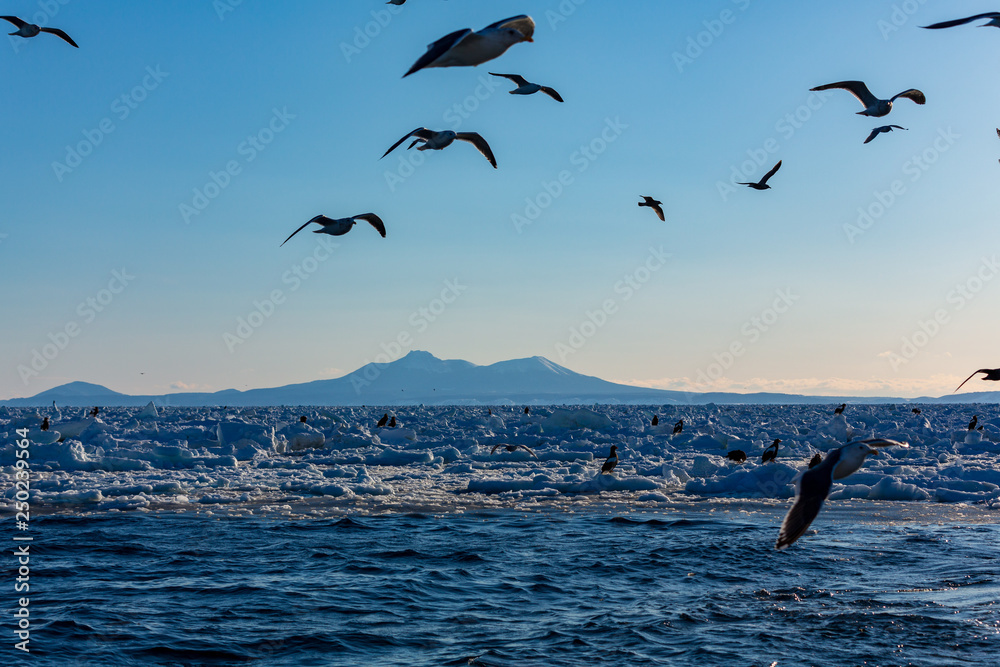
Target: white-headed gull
25,29
341,225
814,485
435,141
465,48
873,105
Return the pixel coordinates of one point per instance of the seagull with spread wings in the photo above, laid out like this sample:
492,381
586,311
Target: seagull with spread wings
657,206
25,29
465,48
512,448
990,374
994,20
525,87
435,141
814,485
340,226
762,183
873,105
879,130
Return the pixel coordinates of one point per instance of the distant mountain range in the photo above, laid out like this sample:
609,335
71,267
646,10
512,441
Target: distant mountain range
421,378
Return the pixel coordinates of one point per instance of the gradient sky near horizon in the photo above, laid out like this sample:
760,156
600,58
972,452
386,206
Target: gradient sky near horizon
132,258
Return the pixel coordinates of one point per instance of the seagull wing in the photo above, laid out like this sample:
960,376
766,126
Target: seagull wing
59,33
480,143
883,442
952,24
898,127
981,370
814,487
421,132
874,134
438,49
315,219
659,211
372,220
16,21
912,94
856,88
551,92
528,449
493,451
516,78
523,23
771,173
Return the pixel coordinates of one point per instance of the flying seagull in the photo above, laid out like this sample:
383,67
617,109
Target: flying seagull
25,29
464,48
653,204
762,184
435,141
525,87
814,485
873,105
341,225
994,20
612,461
879,130
513,448
990,374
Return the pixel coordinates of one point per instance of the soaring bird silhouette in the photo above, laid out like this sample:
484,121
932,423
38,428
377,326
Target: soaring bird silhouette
435,141
525,87
25,29
464,48
990,374
994,20
340,226
814,485
762,183
879,130
657,206
873,105
612,460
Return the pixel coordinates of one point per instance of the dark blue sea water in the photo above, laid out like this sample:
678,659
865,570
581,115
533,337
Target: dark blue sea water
692,588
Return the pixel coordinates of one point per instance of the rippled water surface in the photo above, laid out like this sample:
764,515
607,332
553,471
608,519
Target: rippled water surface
698,588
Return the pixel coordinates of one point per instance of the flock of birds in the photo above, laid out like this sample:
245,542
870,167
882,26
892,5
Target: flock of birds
466,48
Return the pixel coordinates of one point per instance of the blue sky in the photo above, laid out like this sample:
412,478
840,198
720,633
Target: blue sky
151,174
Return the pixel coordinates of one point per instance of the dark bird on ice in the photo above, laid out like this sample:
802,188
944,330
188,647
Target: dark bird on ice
656,420
771,453
611,462
973,423
382,422
392,422
762,183
737,455
679,426
340,226
815,460
840,410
